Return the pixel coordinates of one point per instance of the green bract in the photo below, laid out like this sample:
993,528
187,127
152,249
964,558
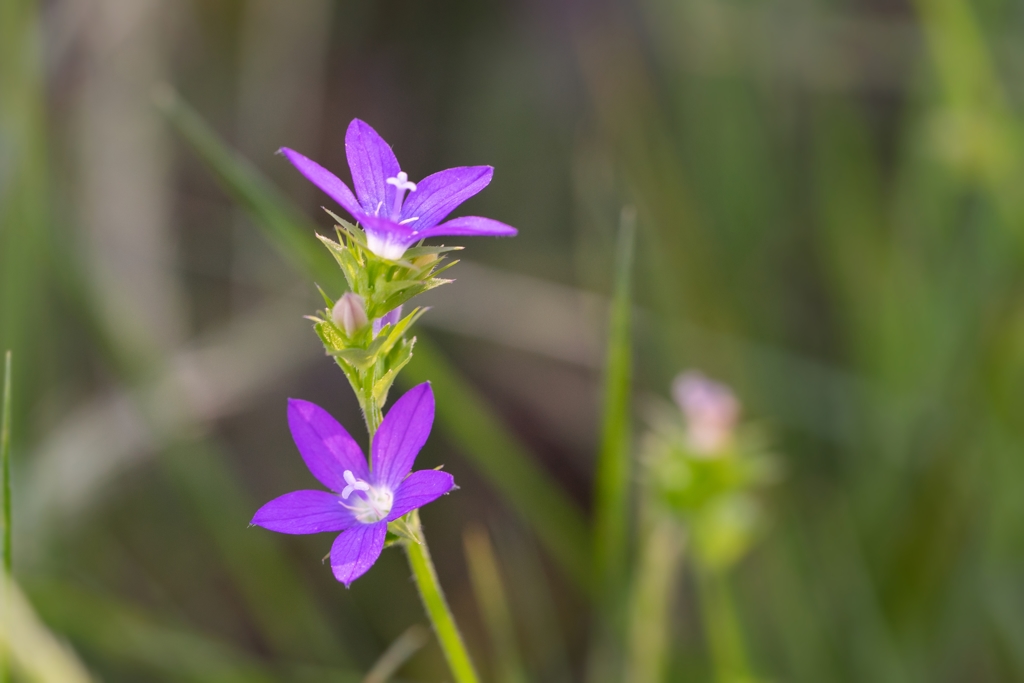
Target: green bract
713,494
385,284
372,359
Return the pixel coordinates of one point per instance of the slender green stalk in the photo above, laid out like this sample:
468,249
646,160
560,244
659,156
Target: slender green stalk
613,478
613,470
7,528
492,598
661,556
437,607
407,644
5,465
722,627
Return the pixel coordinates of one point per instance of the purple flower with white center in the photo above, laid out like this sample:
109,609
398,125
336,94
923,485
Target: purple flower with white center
362,501
393,221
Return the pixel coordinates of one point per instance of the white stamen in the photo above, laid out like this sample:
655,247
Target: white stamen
408,220
353,485
374,505
402,182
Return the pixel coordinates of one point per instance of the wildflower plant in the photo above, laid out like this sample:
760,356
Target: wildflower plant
706,469
701,474
386,264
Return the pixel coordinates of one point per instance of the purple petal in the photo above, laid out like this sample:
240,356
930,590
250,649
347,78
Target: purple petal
401,436
326,447
355,551
470,225
390,318
304,512
325,180
418,489
439,194
372,162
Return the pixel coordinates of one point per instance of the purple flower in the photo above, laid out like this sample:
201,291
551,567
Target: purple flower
390,318
361,501
393,221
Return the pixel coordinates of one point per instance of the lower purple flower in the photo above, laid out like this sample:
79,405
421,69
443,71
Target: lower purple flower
362,501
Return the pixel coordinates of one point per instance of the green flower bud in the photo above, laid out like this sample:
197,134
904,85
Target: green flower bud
349,313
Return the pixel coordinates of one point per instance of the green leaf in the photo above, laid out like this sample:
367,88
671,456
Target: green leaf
327,299
329,335
614,478
416,252
396,362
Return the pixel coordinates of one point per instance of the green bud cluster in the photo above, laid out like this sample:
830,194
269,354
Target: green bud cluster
714,495
377,286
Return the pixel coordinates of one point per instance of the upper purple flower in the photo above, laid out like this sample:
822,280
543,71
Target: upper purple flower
392,221
362,501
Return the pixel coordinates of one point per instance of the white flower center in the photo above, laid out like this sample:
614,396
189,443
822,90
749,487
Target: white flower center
370,503
385,246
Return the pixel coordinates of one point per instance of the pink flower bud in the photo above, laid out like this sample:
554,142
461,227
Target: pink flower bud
711,411
349,313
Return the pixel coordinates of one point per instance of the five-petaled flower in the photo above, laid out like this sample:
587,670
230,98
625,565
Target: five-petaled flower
393,221
362,500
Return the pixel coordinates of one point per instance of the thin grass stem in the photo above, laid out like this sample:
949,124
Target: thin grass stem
5,466
661,556
613,471
7,528
722,627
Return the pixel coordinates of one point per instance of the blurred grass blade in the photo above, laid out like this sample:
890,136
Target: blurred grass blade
291,232
535,606
404,647
108,629
492,599
504,462
613,479
498,455
5,468
653,597
32,648
6,528
722,627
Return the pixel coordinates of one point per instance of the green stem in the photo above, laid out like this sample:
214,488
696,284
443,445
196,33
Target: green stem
613,477
661,556
612,480
5,465
372,413
5,474
722,627
437,607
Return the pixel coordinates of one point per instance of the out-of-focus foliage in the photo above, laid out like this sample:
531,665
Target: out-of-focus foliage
828,218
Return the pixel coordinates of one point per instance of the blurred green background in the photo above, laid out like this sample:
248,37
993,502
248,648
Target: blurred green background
830,200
